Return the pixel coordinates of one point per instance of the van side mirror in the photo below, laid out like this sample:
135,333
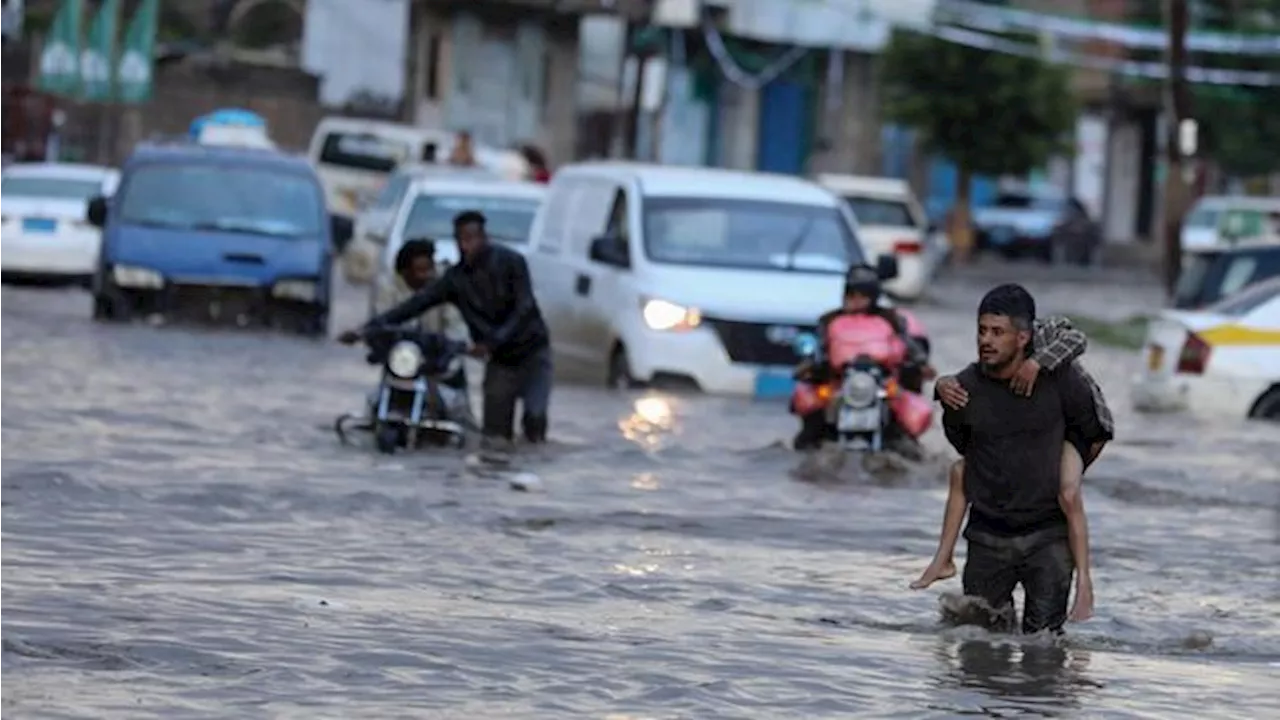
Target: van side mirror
341,229
887,267
96,212
611,249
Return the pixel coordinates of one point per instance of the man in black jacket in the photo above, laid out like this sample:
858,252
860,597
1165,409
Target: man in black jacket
1012,448
492,291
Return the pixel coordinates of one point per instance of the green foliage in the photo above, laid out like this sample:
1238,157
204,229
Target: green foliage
990,113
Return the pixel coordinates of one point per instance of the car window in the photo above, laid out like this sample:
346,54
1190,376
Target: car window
363,151
748,234
49,188
618,216
1245,301
1211,276
1012,201
256,200
875,211
391,192
1202,218
506,218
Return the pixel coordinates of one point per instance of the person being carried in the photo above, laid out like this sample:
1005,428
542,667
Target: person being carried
1056,344
492,291
415,268
1012,481
861,295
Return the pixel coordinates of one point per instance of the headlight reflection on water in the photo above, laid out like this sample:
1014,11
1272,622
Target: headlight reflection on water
651,418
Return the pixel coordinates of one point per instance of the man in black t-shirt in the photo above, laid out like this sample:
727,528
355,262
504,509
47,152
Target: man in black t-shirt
1012,446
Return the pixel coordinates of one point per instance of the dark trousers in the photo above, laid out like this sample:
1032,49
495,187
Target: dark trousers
1040,561
529,382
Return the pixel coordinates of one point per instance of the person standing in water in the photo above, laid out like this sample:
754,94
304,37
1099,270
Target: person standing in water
1012,445
1056,343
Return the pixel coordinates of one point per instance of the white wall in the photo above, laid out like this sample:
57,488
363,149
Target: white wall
356,45
1089,182
1124,167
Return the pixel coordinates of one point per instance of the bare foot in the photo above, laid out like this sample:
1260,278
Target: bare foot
935,572
1082,607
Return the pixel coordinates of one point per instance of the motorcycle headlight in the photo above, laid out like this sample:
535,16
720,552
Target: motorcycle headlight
405,359
860,389
663,315
300,290
127,276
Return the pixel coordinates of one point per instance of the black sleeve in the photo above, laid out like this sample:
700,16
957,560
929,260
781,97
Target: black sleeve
956,429
1077,402
440,291
517,276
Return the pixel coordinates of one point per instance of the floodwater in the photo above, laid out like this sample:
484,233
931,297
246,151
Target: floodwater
183,536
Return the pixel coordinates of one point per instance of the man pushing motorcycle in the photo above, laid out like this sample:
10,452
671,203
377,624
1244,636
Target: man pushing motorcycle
862,295
492,290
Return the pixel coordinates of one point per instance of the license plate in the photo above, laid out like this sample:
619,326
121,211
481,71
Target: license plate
39,225
859,420
1155,357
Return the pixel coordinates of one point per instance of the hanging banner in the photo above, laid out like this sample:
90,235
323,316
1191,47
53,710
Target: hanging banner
98,55
60,57
993,18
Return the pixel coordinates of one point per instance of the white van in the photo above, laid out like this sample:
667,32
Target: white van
354,157
691,275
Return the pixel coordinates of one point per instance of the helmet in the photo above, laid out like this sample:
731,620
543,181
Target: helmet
863,280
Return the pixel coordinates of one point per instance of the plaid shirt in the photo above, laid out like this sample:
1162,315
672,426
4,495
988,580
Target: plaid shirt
1057,341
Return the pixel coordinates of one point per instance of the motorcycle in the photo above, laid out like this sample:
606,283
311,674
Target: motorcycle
421,396
860,385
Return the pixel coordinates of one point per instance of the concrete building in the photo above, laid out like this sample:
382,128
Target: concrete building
505,70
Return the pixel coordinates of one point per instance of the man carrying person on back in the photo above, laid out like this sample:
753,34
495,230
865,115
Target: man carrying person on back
492,289
1012,448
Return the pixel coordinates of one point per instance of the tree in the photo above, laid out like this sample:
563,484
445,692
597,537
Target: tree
989,113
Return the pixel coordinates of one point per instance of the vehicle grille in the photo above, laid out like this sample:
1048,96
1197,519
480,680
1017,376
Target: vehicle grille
211,303
748,342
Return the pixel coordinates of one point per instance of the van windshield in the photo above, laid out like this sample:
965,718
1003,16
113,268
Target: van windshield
364,151
254,200
751,234
507,219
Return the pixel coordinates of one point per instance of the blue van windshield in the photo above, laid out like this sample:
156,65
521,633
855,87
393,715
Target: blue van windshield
248,199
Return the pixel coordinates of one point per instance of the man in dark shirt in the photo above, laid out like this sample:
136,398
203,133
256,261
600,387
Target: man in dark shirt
492,290
1012,446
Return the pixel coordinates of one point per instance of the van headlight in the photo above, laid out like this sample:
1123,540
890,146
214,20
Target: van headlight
127,276
300,290
405,359
663,315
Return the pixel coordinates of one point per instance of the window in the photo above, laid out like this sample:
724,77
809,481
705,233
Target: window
252,200
363,151
1202,218
49,188
391,192
748,234
875,211
618,216
1207,277
1244,303
506,218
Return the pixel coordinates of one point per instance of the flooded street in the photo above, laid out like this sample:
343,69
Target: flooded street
184,537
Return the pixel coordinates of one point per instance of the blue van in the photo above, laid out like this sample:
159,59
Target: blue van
229,235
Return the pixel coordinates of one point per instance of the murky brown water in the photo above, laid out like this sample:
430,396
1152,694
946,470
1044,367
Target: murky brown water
184,537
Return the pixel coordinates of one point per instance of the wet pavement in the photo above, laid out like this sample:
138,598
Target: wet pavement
183,536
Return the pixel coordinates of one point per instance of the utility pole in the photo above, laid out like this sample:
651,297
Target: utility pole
1178,110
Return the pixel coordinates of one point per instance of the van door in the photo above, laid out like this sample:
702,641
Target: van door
593,198
602,290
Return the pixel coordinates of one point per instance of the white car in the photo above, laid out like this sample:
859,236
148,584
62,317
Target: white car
45,230
1223,360
373,223
429,204
688,276
891,222
1216,220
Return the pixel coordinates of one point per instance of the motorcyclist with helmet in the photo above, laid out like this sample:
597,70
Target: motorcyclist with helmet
862,294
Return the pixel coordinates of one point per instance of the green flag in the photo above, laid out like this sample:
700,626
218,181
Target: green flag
133,74
98,56
59,60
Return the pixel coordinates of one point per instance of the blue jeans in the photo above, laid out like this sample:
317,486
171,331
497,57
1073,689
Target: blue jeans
528,382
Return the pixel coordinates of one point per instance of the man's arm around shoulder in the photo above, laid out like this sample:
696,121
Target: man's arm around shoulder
439,291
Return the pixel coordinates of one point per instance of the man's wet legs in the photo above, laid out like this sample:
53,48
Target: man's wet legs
535,395
1046,573
991,573
501,389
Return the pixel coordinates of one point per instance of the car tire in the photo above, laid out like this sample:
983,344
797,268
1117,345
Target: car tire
619,377
1268,406
316,326
105,309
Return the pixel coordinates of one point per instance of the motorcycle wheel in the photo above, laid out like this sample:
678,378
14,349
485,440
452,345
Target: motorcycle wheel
387,438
